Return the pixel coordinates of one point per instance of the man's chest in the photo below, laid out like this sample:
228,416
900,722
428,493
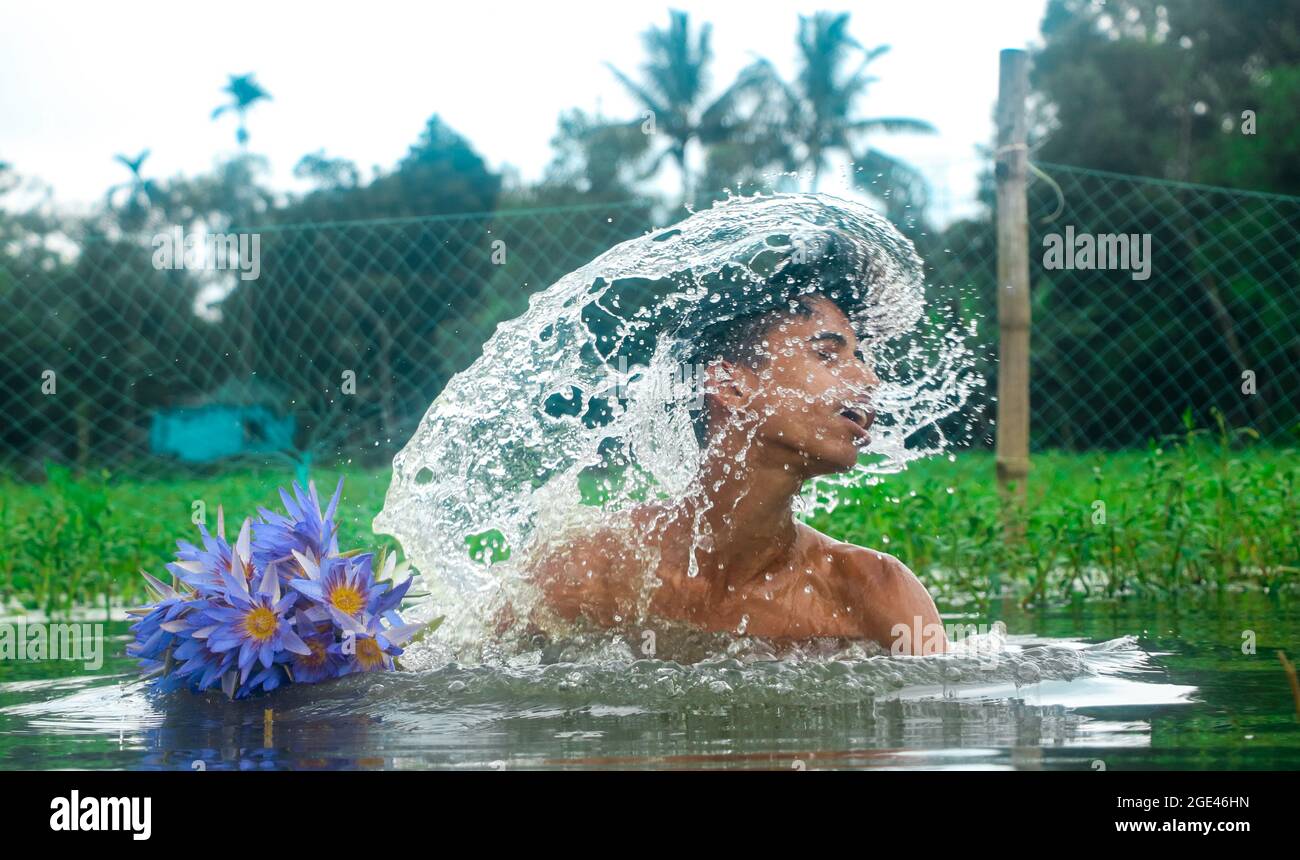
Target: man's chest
793,606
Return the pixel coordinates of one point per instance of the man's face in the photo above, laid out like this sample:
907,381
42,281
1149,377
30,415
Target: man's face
812,397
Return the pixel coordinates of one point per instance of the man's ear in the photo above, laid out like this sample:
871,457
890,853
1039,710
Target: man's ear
728,381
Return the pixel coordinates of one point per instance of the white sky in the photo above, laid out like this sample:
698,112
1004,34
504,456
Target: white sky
81,81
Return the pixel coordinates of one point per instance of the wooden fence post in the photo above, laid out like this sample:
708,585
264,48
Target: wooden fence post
1013,287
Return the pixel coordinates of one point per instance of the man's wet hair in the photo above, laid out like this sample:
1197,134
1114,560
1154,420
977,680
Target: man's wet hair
738,321
725,313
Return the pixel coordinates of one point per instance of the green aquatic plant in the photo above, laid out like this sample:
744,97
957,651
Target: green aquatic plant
1205,508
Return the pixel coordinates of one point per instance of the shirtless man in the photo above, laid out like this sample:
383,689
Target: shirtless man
790,388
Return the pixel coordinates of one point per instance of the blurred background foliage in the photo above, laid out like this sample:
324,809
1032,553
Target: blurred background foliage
390,272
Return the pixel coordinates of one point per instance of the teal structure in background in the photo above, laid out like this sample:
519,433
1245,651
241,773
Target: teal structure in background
235,420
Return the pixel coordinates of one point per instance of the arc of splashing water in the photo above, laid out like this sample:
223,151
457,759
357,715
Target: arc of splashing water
504,448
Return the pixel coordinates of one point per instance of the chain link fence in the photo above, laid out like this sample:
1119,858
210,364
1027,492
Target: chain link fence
348,332
1149,299
332,353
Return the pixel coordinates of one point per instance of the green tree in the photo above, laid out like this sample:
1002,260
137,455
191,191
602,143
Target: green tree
675,93
139,193
823,99
244,92
378,300
326,172
1159,89
595,159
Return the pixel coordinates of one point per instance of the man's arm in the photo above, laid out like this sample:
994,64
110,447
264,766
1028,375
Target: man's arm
578,578
558,573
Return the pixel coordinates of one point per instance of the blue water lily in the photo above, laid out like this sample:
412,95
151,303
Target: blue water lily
344,584
151,638
324,661
280,605
256,622
372,645
305,530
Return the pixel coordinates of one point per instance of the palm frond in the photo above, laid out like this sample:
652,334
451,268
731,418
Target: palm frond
748,101
639,92
893,125
900,186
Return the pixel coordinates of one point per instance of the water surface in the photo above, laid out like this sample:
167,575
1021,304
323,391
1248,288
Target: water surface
1120,686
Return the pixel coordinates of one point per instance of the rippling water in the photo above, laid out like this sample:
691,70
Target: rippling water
1069,694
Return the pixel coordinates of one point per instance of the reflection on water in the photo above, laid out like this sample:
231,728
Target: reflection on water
1069,695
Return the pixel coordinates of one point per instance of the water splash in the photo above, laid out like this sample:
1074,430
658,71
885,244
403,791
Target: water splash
586,404
744,672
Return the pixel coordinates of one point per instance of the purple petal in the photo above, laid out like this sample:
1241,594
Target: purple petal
293,642
309,588
334,502
247,654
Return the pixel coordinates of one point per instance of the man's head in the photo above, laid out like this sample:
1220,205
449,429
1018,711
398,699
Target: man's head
794,377
775,329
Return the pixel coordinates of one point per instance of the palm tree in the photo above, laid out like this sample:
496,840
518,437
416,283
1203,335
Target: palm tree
244,93
140,192
676,80
822,100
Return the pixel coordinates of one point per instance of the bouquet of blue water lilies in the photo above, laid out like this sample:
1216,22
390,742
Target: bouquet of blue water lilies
282,605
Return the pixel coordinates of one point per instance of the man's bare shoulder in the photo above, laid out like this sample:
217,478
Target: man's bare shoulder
594,571
854,565
882,589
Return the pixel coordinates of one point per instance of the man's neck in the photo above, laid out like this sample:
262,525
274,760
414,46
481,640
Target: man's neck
748,512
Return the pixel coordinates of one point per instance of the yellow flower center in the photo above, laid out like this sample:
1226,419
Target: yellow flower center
260,623
369,654
346,599
317,656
